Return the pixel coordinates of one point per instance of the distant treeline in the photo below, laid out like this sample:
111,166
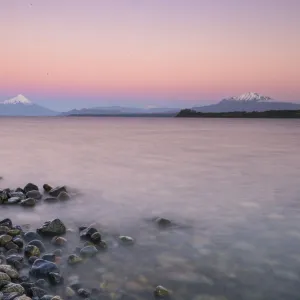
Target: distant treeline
189,113
136,115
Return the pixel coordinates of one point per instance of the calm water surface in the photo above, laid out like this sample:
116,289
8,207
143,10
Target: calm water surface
233,185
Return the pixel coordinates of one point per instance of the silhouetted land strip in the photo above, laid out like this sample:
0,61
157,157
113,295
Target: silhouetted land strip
189,113
158,115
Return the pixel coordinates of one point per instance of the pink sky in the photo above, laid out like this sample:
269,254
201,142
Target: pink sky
187,50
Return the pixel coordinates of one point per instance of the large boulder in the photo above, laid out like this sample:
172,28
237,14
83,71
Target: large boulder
56,191
29,202
41,268
34,194
31,235
52,228
6,222
30,187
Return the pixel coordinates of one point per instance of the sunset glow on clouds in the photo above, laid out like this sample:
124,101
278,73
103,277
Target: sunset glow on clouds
187,50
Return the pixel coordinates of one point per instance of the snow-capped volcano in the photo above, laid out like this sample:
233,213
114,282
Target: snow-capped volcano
20,99
249,97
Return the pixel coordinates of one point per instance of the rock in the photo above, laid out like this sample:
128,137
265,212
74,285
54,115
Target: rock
161,292
69,292
31,250
11,245
14,232
30,187
2,260
52,228
46,297
19,190
88,251
126,240
82,228
3,196
23,297
50,199
83,293
32,259
13,288
49,257
102,245
59,241
162,222
63,196
16,261
56,191
6,222
31,235
38,244
56,298
74,259
12,252
34,194
4,279
96,237
37,292
47,188
55,278
4,239
29,202
14,200
20,195
27,287
88,232
3,230
42,283
24,279
58,252
10,296
42,268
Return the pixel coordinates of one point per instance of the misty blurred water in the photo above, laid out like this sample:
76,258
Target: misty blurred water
233,184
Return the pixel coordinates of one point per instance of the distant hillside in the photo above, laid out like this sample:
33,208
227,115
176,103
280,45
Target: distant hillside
247,102
21,106
189,113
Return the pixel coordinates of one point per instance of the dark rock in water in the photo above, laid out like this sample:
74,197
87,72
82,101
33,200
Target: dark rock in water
161,292
50,199
38,244
52,228
32,259
82,228
69,292
14,200
42,283
18,194
102,245
12,252
24,279
162,222
30,187
88,232
3,196
14,231
59,241
27,287
83,293
2,260
6,222
42,268
47,188
49,257
16,261
57,298
3,230
11,245
96,237
37,292
126,240
29,202
56,191
58,252
88,251
34,194
19,190
74,259
4,239
10,296
46,297
23,297
31,235
13,288
31,250
63,196
55,278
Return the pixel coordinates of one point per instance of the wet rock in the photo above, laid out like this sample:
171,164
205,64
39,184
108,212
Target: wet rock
10,271
37,292
12,252
23,297
32,259
14,232
82,228
19,190
52,228
59,241
31,250
56,191
30,187
29,202
42,268
6,222
4,279
46,297
2,260
10,296
14,200
3,230
34,194
63,196
47,188
4,239
161,292
16,261
49,257
24,279
162,222
11,245
74,259
102,245
69,292
58,252
38,244
13,288
50,199
56,298
83,293
96,237
27,287
41,283
88,232
18,194
88,251
55,278
31,235
3,196
126,240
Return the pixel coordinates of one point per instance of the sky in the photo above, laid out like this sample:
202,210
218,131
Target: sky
175,53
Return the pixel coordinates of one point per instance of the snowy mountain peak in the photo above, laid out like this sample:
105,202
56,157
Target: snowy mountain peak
250,97
20,99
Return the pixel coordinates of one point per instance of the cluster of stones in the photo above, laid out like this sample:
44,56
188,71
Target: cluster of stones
26,251
30,195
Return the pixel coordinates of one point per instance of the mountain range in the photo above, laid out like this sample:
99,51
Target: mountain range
248,102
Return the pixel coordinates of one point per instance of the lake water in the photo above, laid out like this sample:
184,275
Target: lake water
233,186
